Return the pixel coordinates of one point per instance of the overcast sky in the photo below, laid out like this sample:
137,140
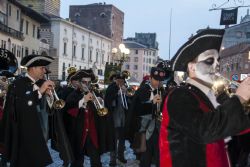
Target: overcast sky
154,16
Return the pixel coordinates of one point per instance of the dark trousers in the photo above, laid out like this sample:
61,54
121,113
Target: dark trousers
119,143
92,152
152,151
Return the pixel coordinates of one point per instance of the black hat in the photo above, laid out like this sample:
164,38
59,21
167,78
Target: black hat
6,73
157,73
119,75
36,60
202,41
112,75
167,67
83,74
70,76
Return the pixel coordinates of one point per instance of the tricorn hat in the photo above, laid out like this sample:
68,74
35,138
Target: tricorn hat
36,60
83,74
204,40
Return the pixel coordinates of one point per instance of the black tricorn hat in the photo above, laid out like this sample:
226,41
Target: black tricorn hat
204,40
157,73
83,74
36,60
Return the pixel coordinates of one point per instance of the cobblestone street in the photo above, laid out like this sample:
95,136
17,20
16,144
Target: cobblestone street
129,155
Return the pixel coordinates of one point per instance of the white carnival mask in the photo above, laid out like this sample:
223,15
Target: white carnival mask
207,65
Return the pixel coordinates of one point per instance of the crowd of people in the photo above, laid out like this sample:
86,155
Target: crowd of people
168,123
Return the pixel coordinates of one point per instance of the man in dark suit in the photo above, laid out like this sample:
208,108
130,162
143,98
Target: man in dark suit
25,124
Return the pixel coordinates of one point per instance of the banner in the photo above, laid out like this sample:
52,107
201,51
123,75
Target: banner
228,16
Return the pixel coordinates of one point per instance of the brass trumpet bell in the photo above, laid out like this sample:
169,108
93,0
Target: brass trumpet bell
58,104
223,85
102,111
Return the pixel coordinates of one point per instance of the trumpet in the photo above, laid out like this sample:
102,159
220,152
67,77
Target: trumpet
222,85
130,91
58,103
123,98
158,113
53,99
101,110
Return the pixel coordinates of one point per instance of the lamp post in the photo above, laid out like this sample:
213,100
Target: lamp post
120,55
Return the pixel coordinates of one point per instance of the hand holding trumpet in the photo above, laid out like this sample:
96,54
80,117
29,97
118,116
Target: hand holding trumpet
243,91
157,99
47,87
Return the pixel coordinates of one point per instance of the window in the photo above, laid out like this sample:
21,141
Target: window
90,55
21,25
96,58
64,48
128,59
34,31
9,10
127,67
103,58
135,67
247,35
17,15
99,72
63,71
27,27
135,59
74,51
82,53
26,51
136,51
38,33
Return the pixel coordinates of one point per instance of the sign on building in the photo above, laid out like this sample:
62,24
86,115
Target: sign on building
243,76
228,16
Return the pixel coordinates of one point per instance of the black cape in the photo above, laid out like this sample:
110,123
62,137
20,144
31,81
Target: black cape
22,136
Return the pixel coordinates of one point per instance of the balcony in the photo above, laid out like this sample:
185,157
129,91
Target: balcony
11,32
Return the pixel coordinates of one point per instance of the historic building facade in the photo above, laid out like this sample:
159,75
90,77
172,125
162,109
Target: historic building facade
101,18
19,29
77,46
44,6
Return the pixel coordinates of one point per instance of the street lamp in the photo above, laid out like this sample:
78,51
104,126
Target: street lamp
120,55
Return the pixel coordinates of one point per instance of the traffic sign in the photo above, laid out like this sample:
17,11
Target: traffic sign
235,77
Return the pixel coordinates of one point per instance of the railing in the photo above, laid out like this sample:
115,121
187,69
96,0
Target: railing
10,31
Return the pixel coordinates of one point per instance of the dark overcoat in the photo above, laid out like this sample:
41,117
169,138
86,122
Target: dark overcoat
75,124
23,138
193,131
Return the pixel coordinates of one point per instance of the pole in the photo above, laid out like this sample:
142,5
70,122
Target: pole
170,29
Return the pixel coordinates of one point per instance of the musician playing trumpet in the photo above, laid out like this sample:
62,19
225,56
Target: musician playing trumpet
25,123
83,122
194,123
